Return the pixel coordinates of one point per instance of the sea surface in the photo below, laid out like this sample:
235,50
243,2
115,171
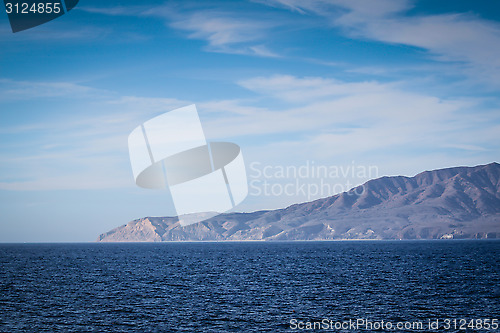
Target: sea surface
251,287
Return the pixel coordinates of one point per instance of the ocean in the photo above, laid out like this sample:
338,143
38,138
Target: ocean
354,286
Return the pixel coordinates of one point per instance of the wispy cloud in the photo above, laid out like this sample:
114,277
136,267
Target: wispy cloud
456,37
224,31
330,118
115,10
379,8
465,147
151,104
25,90
219,28
74,150
317,118
292,89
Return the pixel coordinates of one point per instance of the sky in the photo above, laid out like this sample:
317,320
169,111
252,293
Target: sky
359,88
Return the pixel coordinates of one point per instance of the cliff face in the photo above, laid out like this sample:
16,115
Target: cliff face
461,202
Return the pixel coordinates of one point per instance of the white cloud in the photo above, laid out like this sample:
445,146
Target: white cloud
230,107
24,90
219,29
318,118
224,31
263,51
328,7
230,32
71,153
453,37
464,147
334,119
116,10
74,150
291,89
103,175
148,105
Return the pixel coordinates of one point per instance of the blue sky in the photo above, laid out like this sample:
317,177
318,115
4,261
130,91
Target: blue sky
405,86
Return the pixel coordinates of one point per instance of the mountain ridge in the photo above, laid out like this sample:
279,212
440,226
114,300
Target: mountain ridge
457,202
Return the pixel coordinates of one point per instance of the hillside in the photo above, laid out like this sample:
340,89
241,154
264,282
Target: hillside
460,202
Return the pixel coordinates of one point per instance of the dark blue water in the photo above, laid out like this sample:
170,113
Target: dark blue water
246,287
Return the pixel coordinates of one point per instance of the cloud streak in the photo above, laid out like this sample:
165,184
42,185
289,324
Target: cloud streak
225,32
332,118
77,150
25,90
458,37
313,117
